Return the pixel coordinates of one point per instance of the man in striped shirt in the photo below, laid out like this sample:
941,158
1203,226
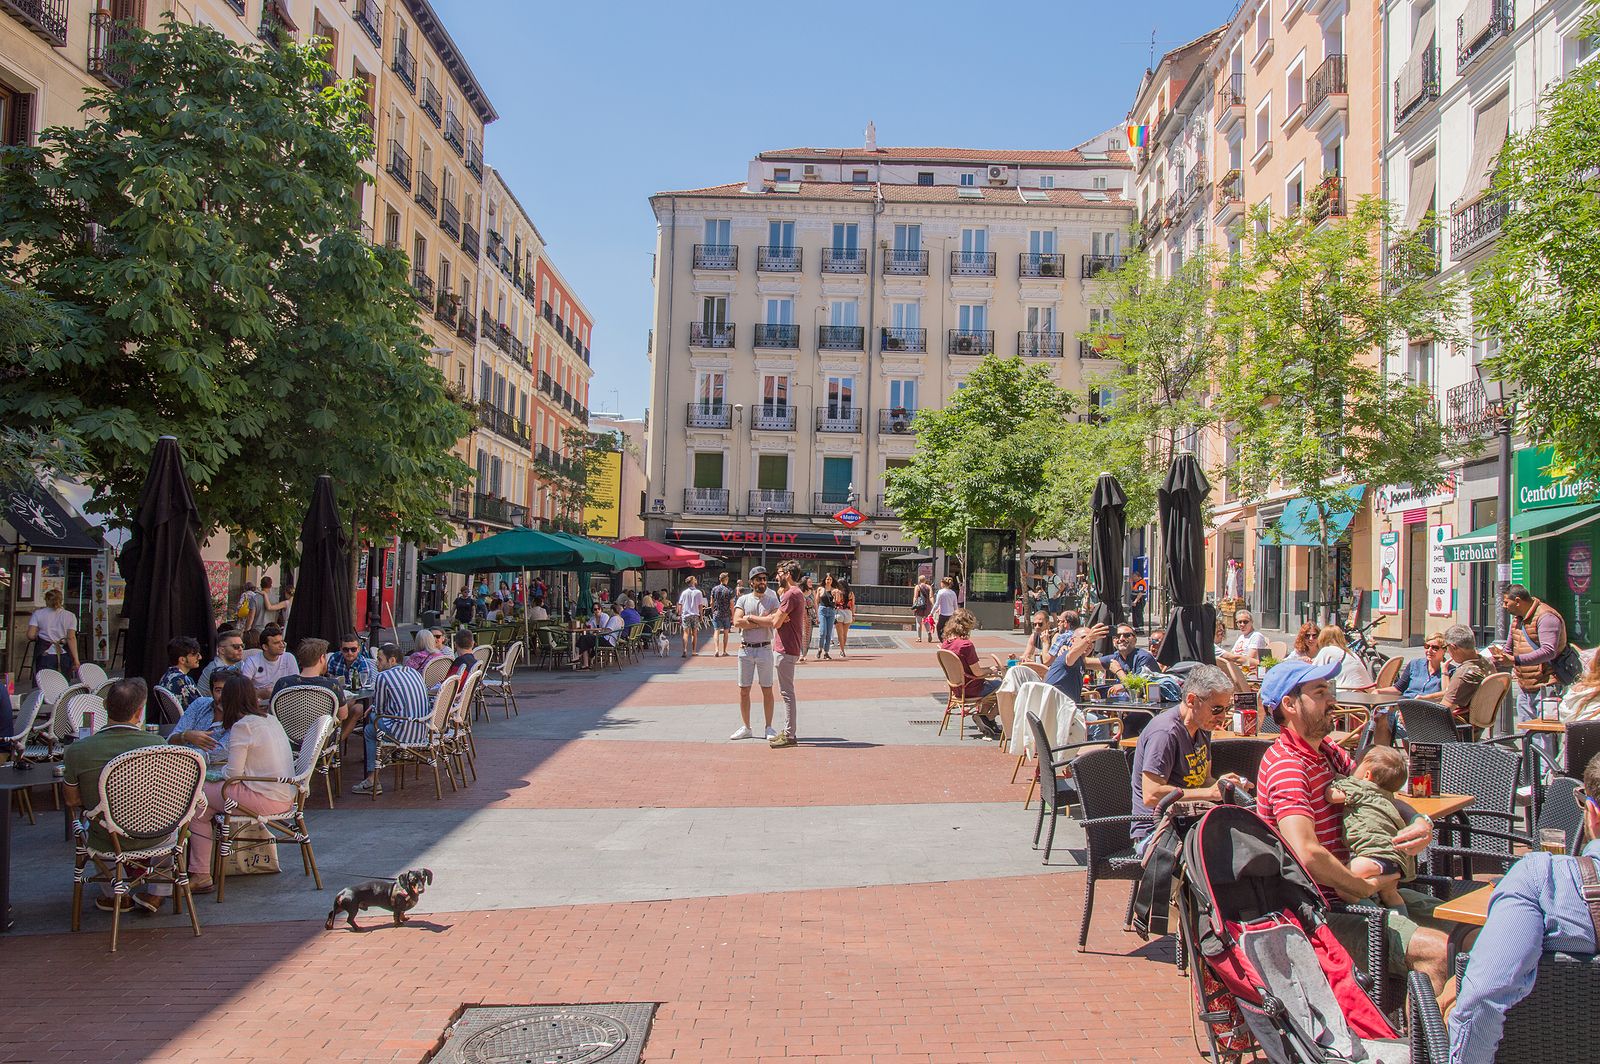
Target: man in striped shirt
400,708
1292,796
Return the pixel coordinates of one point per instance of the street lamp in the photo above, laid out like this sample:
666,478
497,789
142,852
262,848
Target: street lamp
1500,396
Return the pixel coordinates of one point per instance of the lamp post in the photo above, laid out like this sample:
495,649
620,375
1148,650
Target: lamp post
1500,396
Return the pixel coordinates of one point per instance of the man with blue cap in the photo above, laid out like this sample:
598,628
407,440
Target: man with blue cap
1292,796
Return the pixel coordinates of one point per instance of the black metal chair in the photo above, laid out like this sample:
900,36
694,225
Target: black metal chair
1242,757
1580,745
1484,830
1428,722
1059,769
1557,1023
1104,780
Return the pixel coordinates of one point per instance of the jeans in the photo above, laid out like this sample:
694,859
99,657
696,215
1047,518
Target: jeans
1528,709
825,630
369,736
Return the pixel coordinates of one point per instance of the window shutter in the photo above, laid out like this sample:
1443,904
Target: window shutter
21,131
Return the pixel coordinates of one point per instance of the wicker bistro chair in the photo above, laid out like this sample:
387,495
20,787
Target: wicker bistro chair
76,710
1105,798
92,676
297,709
434,672
280,827
553,645
148,797
1429,722
460,749
1579,745
1483,711
51,685
420,741
609,646
957,703
1483,831
1557,1023
1388,671
498,682
1058,770
1242,757
484,652
166,706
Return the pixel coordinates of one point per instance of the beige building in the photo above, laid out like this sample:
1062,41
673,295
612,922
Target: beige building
805,314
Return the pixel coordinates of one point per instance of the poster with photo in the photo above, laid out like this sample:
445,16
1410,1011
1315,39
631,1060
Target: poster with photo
1389,572
992,563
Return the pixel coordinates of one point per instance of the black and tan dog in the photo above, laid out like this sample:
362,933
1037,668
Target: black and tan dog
399,896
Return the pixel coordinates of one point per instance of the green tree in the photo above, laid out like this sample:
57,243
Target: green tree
984,459
28,324
198,236
578,462
1539,295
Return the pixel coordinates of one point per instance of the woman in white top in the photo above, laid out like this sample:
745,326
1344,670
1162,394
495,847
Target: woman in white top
257,748
1582,700
1353,672
54,634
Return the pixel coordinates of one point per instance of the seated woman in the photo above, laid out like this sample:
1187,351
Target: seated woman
1353,672
607,627
257,747
427,650
978,684
1305,642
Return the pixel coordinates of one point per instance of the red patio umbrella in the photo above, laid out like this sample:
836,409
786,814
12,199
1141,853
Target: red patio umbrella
660,555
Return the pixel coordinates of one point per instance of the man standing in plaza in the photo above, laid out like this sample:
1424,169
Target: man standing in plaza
691,603
721,615
944,605
754,617
789,630
1538,635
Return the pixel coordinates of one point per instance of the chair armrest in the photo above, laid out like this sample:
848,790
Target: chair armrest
1079,746
1106,821
1430,1041
1443,887
1510,818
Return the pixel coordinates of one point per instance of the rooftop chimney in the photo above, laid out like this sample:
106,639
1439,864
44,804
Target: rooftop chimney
752,181
872,136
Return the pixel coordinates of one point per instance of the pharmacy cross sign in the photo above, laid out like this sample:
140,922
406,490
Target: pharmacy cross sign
849,517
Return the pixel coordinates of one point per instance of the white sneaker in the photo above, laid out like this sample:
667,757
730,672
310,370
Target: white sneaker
771,735
744,732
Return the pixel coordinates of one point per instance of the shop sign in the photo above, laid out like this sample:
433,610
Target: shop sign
1397,498
1580,568
1389,572
1536,488
1441,574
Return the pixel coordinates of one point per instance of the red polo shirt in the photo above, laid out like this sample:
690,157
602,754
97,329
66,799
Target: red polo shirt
1294,780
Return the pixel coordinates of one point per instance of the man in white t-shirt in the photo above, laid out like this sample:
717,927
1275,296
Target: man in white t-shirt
944,605
266,666
750,619
691,603
1250,645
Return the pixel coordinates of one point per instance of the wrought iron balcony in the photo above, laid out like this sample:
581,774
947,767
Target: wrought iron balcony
838,417
493,510
828,503
460,505
1471,43
710,416
777,335
1327,82
446,308
422,288
770,259
427,194
454,135
972,263
772,417
469,240
1476,224
844,260
450,218
271,28
971,341
474,159
1040,344
841,337
771,501
883,509
1415,259
1416,86
237,5
430,102
399,165
404,64
716,257
1467,413
903,339
1095,265
901,263
1230,193
896,419
105,34
1230,99
466,328
369,16
705,500
1041,264
503,423
710,334
1327,199
44,18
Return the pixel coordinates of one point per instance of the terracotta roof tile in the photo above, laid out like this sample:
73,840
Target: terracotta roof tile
993,197
1068,157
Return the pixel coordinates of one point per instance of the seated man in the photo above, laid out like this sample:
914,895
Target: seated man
351,665
1068,653
397,693
201,724
1251,645
1538,906
183,657
1467,669
1127,659
1292,796
270,663
465,660
537,614
1038,638
1174,750
312,657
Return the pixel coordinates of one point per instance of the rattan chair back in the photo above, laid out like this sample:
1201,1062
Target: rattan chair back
51,685
1389,671
297,709
1242,757
305,762
434,671
1484,709
1582,744
1429,722
151,792
71,711
167,708
508,665
954,675
92,676
1489,773
484,653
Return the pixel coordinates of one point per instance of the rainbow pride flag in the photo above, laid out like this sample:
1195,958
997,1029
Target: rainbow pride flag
1138,136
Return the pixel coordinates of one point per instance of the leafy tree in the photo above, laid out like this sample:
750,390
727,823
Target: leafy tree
579,461
1539,294
984,459
197,235
27,324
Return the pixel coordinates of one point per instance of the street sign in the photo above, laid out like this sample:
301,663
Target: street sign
849,517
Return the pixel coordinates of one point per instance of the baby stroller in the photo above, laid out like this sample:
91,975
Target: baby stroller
1270,980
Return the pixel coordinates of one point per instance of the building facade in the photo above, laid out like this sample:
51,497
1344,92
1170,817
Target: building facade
804,315
562,333
502,444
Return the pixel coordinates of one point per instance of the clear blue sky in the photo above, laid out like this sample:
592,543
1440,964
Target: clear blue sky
603,104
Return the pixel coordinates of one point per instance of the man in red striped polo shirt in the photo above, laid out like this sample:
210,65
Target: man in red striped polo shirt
1292,796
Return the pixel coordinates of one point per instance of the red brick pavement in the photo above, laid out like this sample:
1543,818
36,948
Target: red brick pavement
945,973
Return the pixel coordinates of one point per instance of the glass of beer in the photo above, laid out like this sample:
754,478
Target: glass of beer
1553,840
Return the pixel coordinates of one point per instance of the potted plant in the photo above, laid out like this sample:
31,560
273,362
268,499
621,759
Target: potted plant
1137,686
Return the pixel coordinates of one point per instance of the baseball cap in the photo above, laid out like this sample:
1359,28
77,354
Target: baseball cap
1284,677
760,570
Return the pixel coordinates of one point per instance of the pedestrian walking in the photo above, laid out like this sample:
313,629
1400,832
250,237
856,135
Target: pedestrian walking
691,603
789,631
921,606
721,615
808,588
944,605
754,615
844,611
1141,592
825,617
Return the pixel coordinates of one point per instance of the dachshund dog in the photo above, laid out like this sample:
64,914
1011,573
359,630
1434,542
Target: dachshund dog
398,895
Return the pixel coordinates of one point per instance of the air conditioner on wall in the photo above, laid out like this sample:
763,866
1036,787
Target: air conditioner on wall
810,173
997,174
900,424
966,345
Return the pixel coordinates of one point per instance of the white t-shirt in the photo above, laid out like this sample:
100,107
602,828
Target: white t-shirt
944,602
691,602
1353,673
538,613
1254,641
53,625
754,605
264,673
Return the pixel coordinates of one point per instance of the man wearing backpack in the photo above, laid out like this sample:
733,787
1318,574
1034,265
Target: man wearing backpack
1536,651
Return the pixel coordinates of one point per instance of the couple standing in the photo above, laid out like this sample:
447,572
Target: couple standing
763,618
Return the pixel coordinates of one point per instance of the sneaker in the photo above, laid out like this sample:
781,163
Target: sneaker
782,740
743,733
145,903
771,735
108,904
367,787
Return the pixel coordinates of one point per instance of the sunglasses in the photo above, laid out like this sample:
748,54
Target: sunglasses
1582,796
350,650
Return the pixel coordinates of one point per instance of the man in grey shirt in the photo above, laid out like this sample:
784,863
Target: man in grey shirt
754,615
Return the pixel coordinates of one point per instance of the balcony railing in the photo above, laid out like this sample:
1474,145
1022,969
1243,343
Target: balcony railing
1041,264
504,424
1230,190
883,509
971,341
705,500
492,509
1477,224
271,28
1095,265
844,260
1471,43
1467,413
44,18
369,16
446,308
716,257
404,64
972,263
903,339
422,287
899,263
430,102
1328,80
466,328
896,419
841,337
771,501
450,218
399,165
474,159
1040,344
770,259
1327,199
1415,259
460,505
710,334
427,194
1417,84
1229,96
828,503
777,335
839,417
772,417
1098,347
454,135
105,34
710,416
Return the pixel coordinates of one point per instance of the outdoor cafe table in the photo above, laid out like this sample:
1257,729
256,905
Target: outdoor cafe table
12,780
1439,806
1215,736
1530,763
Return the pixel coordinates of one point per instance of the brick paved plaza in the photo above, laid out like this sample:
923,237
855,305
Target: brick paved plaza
870,895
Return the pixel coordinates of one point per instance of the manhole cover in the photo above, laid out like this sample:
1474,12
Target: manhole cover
548,1034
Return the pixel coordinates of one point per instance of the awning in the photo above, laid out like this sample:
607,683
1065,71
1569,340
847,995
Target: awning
1299,526
44,525
1223,522
727,542
1529,526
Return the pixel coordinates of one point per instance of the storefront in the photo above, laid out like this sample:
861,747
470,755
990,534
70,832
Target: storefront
819,553
1414,587
1315,581
48,548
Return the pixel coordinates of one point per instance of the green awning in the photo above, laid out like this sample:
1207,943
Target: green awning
594,556
1299,525
1526,527
519,548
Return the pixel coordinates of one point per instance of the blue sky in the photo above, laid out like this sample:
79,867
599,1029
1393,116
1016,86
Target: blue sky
603,104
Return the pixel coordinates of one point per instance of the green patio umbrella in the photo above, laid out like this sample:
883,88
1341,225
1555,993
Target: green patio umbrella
597,556
520,548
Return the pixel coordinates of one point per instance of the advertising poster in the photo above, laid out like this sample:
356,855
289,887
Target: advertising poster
992,562
1441,574
1389,572
604,518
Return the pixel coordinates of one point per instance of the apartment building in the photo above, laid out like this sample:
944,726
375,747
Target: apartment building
804,315
562,334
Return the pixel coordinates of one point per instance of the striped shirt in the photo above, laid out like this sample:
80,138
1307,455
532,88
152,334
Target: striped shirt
1293,781
398,692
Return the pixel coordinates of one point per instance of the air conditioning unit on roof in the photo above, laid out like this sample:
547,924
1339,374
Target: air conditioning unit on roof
810,173
997,175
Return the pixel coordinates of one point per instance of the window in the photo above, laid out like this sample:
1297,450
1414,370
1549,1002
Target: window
780,234
908,238
841,392
1099,183
780,173
903,395
1579,50
391,227
16,117
1264,25
780,311
485,383
774,393
1043,241
1295,191
1422,365
838,476
1049,181
1264,124
974,247
1041,319
972,317
858,177
969,179
708,469
1294,87
845,236
1107,244
925,177
772,472
713,311
710,389
905,315
717,233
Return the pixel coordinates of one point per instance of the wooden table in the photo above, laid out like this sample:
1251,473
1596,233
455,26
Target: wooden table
1215,736
1366,699
1471,908
1440,805
1544,727
1530,761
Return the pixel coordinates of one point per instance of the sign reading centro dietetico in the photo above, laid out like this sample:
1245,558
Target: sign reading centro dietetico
849,517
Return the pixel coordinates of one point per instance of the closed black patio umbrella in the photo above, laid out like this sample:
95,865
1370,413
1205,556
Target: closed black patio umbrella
321,607
1192,623
1108,536
168,594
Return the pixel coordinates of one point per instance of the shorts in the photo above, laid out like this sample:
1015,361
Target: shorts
843,616
1400,928
755,665
691,623
722,624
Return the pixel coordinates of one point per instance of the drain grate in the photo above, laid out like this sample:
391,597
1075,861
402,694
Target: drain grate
548,1034
925,723
873,642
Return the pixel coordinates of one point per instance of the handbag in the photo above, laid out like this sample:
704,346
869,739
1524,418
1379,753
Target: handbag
1566,666
252,851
